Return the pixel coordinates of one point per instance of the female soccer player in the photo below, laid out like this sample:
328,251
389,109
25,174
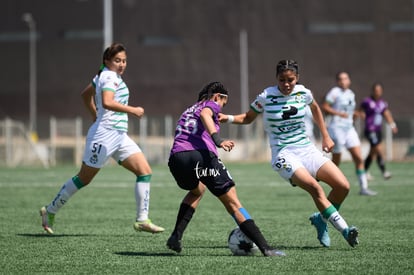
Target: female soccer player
195,165
374,108
106,98
340,105
294,157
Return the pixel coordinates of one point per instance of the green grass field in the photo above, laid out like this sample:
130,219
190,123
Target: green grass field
94,231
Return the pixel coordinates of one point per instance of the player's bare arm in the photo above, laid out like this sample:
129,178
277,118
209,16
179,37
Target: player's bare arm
207,120
390,120
109,103
245,118
87,96
327,108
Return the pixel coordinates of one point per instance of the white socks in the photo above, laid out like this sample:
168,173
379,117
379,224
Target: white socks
142,196
338,222
67,190
362,178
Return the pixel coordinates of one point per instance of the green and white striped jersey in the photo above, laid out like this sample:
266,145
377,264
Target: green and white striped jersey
342,101
284,116
111,81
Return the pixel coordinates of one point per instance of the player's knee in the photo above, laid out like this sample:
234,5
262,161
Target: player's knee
199,190
344,187
314,189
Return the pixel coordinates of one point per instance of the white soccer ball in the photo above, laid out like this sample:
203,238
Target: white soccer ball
240,244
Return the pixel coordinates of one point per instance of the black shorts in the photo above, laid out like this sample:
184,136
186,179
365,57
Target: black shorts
374,137
191,167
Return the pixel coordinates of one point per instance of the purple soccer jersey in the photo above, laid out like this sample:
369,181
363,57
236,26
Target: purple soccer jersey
374,110
190,133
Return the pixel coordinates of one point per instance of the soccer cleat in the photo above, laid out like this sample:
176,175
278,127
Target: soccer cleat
148,226
321,229
273,253
387,175
367,192
174,243
351,235
47,220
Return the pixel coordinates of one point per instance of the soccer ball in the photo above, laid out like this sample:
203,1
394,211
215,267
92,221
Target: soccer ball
240,244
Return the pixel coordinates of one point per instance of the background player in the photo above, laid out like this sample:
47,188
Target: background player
374,109
340,105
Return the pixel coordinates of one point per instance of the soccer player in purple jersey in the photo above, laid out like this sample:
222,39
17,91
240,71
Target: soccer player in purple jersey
195,165
374,109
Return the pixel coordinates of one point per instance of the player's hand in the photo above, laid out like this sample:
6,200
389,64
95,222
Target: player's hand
327,144
227,145
343,114
138,111
222,118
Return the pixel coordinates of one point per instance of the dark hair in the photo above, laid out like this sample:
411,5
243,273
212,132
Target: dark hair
110,52
285,65
210,89
375,84
338,74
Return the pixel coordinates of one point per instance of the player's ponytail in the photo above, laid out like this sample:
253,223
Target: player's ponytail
101,68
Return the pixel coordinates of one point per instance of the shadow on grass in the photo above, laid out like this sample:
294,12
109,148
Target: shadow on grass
283,247
44,235
162,254
278,247
168,254
173,254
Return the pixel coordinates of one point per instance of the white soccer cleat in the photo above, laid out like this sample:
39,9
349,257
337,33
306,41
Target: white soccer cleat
367,192
387,175
48,220
148,226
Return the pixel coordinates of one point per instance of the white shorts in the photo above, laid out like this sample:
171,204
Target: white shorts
291,158
102,143
343,138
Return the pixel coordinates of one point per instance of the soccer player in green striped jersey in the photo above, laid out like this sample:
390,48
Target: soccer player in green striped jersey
294,156
340,105
106,98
